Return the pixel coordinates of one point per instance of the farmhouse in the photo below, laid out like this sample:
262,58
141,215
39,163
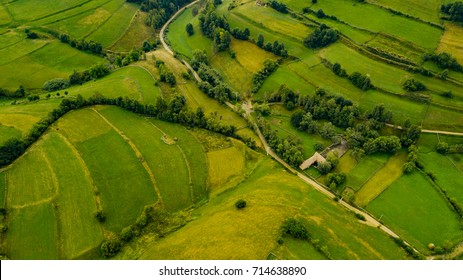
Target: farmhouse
316,158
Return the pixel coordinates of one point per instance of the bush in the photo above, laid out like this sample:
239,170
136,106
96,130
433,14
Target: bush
360,217
110,247
294,228
100,216
321,37
411,85
319,147
442,148
127,234
56,84
240,204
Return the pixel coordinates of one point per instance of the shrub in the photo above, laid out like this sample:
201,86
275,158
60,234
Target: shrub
412,85
321,37
100,216
294,228
110,247
442,148
240,204
360,217
56,84
127,234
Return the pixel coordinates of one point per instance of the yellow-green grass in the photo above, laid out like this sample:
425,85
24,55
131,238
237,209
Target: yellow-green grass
379,20
249,133
179,39
165,161
272,195
35,68
449,177
297,5
296,249
80,12
8,132
285,130
194,154
393,45
284,76
32,233
427,10
294,46
132,81
27,10
357,35
125,188
26,188
346,164
364,170
442,119
238,72
76,202
113,28
2,189
83,124
381,180
277,22
416,211
136,34
15,48
5,17
11,37
452,41
224,166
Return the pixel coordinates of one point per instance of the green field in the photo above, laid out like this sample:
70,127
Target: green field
222,171
451,41
252,233
135,35
416,211
379,20
365,169
427,10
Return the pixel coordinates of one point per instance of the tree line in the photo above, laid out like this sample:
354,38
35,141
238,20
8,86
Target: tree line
276,48
159,11
259,78
453,10
174,111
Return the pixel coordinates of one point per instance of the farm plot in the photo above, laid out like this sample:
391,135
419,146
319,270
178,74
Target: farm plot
136,34
124,189
427,10
7,132
416,211
113,28
14,46
28,10
441,119
379,20
452,41
165,161
365,169
181,42
33,69
449,177
251,233
76,202
35,225
381,180
224,165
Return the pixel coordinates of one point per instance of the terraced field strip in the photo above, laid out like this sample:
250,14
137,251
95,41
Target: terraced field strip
164,159
381,180
76,200
137,152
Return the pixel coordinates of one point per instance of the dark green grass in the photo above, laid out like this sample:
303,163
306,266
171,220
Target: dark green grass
7,132
125,187
417,212
363,170
2,189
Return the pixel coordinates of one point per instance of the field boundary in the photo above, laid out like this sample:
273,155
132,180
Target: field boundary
137,153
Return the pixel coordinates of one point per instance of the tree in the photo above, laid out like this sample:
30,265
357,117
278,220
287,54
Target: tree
189,29
111,247
320,13
260,41
442,148
321,37
222,39
240,204
412,85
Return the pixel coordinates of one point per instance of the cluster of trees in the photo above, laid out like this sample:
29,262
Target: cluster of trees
413,85
294,228
285,95
241,34
56,84
215,27
444,60
444,148
276,48
214,86
259,78
321,37
222,39
332,160
159,11
147,46
20,92
165,74
124,59
410,134
30,34
95,72
189,29
334,180
385,144
361,81
88,46
199,57
454,10
412,159
278,6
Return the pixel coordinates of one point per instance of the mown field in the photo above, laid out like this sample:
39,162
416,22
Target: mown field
252,233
